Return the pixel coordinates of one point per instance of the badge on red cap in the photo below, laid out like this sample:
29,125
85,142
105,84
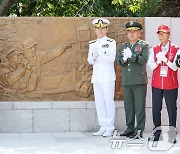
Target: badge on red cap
163,28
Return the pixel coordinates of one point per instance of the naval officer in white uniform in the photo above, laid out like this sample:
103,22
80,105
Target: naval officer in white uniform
102,53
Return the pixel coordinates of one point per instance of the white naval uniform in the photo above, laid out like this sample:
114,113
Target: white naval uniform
103,79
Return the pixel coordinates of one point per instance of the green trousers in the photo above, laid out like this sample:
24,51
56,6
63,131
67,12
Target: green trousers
135,104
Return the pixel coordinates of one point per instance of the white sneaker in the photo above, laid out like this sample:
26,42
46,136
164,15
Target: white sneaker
100,132
108,134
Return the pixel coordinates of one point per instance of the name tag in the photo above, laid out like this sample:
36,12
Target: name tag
164,71
105,46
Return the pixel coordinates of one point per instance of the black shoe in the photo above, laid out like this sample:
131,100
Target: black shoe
127,134
158,136
135,136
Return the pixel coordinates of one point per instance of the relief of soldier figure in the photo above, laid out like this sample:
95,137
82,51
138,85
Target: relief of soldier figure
21,68
81,87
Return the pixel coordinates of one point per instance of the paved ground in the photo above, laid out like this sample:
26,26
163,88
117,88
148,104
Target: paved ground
76,143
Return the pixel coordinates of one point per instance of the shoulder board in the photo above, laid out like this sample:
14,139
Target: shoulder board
125,43
93,41
110,40
144,42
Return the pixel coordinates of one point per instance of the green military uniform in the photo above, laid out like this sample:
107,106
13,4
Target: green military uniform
134,81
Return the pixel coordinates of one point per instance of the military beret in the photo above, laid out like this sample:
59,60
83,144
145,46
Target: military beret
100,22
133,25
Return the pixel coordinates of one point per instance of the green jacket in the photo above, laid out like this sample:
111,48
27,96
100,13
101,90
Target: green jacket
134,70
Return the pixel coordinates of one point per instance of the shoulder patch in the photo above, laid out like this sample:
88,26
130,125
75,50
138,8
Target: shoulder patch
110,40
93,41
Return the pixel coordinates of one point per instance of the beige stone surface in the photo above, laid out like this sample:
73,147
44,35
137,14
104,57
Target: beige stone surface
44,59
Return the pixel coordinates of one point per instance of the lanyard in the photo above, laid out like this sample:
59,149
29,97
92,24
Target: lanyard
170,49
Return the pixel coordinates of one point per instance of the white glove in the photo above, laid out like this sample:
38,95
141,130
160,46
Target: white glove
125,57
127,53
158,56
161,56
164,59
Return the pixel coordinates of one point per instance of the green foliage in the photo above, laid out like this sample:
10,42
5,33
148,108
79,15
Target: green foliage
75,8
170,8
149,8
84,8
48,8
111,8
133,5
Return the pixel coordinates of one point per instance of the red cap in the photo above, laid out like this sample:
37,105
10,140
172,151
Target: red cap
163,28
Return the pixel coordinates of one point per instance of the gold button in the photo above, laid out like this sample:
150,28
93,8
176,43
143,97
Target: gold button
128,69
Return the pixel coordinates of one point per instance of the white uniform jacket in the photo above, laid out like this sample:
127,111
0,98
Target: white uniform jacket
102,53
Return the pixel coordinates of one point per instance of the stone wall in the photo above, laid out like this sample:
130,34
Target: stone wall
68,116
44,59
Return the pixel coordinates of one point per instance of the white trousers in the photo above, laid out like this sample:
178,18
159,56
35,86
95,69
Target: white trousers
104,101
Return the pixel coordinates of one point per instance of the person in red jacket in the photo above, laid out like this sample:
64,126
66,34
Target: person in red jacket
162,61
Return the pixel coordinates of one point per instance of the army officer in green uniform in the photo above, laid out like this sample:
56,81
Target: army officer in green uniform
133,56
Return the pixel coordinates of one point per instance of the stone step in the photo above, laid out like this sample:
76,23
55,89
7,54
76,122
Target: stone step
70,116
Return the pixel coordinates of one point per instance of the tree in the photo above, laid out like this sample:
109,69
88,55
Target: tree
170,8
149,8
49,8
84,8
5,5
70,8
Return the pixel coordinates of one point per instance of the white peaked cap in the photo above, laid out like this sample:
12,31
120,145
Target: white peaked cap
95,21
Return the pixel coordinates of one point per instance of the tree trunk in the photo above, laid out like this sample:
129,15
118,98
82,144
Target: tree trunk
5,5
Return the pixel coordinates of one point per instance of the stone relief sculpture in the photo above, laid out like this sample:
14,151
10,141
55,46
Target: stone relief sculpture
39,60
82,88
36,61
21,69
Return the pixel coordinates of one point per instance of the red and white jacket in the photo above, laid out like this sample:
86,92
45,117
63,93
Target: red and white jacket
171,81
